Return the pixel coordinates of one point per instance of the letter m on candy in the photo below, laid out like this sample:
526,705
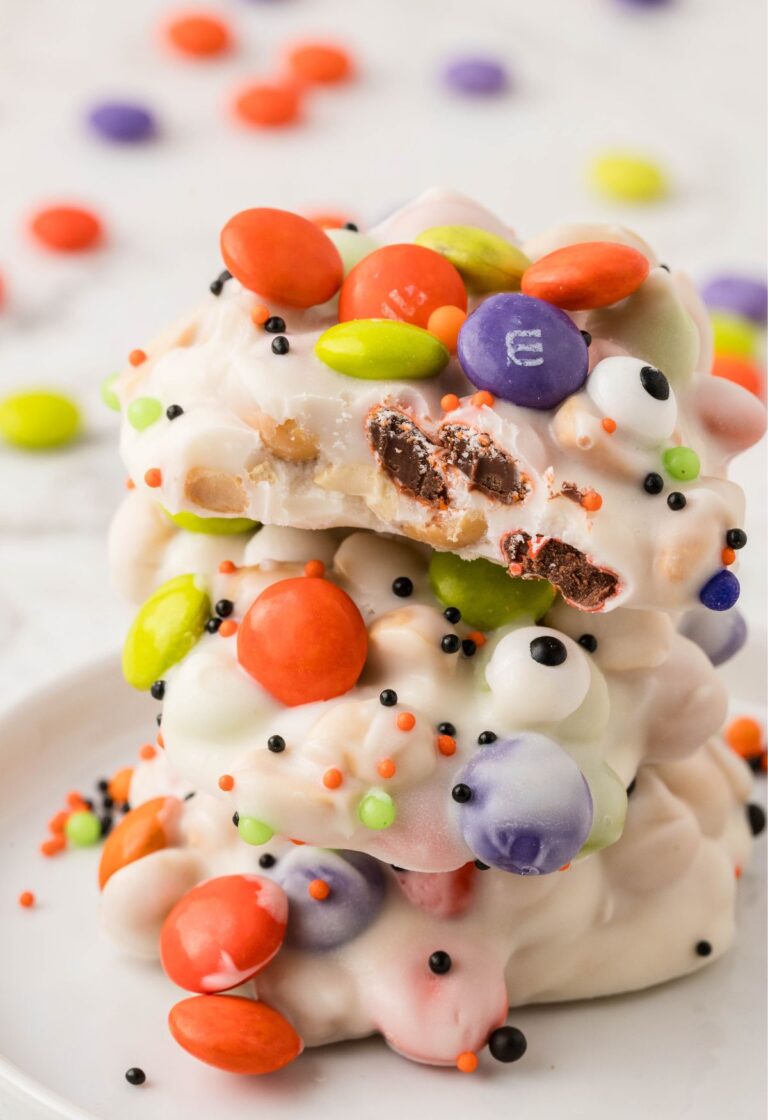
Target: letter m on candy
517,343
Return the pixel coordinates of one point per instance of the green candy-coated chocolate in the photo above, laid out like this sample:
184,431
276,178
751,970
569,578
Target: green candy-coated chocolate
214,526
609,802
682,463
381,350
487,262
83,829
485,594
254,831
38,420
143,412
377,810
164,631
107,392
351,245
624,177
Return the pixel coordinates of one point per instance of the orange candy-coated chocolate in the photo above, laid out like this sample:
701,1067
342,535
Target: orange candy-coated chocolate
405,282
268,104
66,229
323,63
581,277
142,831
742,371
234,1034
223,931
281,256
303,640
198,35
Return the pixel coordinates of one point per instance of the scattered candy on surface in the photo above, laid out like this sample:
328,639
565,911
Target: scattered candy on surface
83,829
381,350
745,296
26,900
734,335
66,229
476,76
234,1034
320,63
268,105
623,177
198,35
122,122
39,420
165,629
742,371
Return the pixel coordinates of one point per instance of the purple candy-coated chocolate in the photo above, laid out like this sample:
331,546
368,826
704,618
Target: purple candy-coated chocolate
742,295
357,892
122,122
719,634
476,76
523,350
645,3
721,592
530,810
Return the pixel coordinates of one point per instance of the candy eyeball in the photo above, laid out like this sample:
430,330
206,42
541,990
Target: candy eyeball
537,675
637,396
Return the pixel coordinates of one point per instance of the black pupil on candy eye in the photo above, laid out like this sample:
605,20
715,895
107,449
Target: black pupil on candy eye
655,383
589,642
548,651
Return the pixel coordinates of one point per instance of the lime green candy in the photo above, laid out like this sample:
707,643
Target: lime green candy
486,262
609,806
381,350
83,829
108,394
485,594
351,245
377,810
734,335
254,831
624,177
39,420
682,463
143,412
164,631
214,526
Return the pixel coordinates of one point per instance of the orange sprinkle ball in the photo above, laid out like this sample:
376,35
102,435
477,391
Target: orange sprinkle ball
198,35
387,768
445,323
130,484
76,800
315,569
226,782
406,721
26,899
136,357
227,628
467,1062
483,398
66,229
267,105
592,501
321,63
477,637
227,567
319,890
609,425
515,569
332,778
120,784
742,371
160,740
565,867
737,872
744,736
147,752
153,478
53,846
728,557
446,744
259,314
450,402
57,822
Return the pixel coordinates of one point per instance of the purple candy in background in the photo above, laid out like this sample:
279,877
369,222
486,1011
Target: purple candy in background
476,76
719,634
530,810
742,295
121,122
721,592
523,350
357,893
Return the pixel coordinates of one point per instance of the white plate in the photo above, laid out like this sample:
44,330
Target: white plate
74,1014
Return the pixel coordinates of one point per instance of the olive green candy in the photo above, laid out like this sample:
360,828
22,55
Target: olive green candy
38,420
254,831
381,350
107,392
142,412
485,594
214,526
487,262
83,829
682,463
164,631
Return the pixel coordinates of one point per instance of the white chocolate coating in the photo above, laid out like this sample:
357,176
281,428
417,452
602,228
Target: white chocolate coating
282,439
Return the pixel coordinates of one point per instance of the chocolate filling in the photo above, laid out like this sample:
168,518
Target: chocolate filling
579,581
406,454
487,467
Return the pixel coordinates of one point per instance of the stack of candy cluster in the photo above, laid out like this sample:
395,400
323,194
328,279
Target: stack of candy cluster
436,552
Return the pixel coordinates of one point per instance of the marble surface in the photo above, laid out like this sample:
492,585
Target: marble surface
682,82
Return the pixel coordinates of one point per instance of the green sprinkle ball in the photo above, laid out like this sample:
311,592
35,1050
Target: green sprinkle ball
143,412
377,810
83,829
681,463
254,831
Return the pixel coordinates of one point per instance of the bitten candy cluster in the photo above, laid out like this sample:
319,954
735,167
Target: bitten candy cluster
390,496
